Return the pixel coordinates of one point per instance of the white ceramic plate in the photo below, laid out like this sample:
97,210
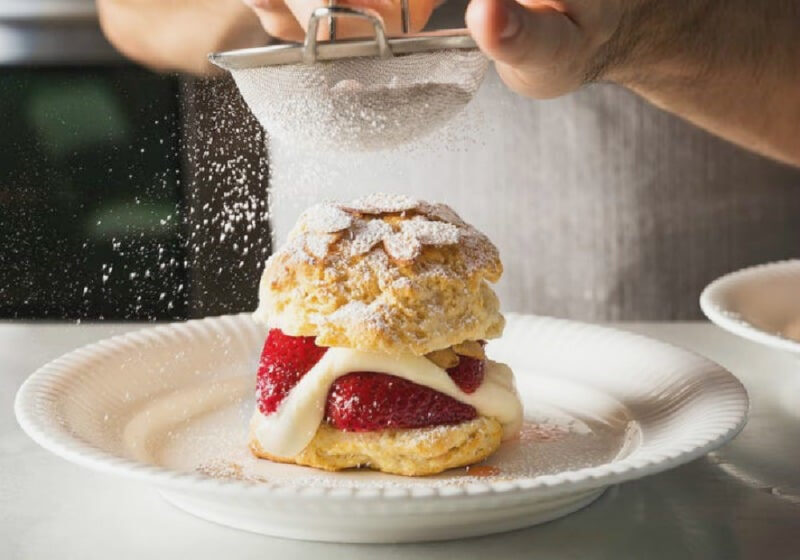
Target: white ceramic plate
169,405
761,303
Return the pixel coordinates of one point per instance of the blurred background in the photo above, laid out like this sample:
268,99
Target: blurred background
124,194
131,195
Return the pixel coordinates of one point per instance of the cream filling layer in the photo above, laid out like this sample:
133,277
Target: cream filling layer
288,430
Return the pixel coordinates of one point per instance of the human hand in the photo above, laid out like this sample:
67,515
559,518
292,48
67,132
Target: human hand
542,48
287,19
546,48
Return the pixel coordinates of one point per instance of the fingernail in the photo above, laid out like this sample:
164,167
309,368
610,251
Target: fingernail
512,24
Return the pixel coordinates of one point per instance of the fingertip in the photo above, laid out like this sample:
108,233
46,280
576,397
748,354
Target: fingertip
493,22
478,13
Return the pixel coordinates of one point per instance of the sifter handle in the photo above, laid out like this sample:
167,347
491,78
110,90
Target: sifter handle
310,45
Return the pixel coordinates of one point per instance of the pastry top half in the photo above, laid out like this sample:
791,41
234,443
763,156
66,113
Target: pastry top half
383,273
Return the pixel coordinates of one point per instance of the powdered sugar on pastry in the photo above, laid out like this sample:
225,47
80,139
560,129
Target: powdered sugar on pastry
365,234
318,245
414,271
428,232
402,246
419,223
381,203
326,218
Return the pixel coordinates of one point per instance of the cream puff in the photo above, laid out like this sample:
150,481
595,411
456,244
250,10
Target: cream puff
378,311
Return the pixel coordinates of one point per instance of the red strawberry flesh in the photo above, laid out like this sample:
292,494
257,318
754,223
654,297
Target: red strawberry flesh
468,374
284,361
368,401
363,401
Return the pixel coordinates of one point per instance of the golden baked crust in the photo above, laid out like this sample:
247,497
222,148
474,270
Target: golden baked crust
384,273
416,452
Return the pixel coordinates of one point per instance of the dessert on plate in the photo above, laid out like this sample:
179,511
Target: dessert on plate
378,312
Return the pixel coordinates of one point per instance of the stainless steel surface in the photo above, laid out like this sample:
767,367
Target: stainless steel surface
292,53
333,12
742,501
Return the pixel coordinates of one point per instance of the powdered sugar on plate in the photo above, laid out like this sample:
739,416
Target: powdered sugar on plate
212,441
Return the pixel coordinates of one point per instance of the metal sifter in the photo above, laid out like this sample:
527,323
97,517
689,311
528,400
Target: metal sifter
357,94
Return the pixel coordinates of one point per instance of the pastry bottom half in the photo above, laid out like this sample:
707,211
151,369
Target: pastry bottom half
411,452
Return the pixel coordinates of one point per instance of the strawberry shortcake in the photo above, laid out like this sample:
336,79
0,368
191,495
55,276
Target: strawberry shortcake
378,311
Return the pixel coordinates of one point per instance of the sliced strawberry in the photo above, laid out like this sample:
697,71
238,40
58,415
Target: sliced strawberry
468,374
368,401
362,401
284,361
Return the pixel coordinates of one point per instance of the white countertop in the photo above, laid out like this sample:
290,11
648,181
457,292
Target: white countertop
742,501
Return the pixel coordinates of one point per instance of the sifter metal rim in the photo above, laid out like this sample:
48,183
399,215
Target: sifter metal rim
292,53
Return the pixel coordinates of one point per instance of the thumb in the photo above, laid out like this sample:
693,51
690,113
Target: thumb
535,46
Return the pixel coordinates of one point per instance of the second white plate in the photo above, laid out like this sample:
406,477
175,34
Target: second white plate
760,303
170,404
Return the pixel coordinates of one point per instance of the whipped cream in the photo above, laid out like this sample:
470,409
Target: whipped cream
288,430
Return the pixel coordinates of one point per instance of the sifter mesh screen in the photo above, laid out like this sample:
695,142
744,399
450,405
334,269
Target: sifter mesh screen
362,104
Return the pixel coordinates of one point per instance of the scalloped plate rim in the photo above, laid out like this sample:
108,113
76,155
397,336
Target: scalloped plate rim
73,449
